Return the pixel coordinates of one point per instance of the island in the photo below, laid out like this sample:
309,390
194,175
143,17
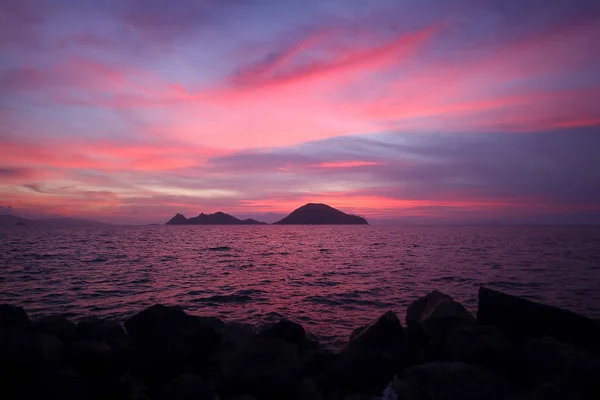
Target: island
320,214
218,218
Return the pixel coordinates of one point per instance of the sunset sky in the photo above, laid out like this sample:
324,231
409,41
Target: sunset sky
400,110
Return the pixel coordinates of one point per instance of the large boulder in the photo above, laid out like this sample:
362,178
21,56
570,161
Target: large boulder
264,367
187,387
170,342
13,317
371,357
58,326
438,315
481,345
521,319
451,381
111,332
289,331
548,362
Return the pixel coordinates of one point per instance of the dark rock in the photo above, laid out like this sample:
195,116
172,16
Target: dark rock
438,315
65,385
20,349
548,361
418,347
170,342
451,381
480,345
51,347
359,396
551,391
286,330
161,324
265,367
12,317
90,355
370,359
357,331
520,319
58,326
187,387
111,332
237,333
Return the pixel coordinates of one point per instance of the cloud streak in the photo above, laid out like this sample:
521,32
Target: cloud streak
131,111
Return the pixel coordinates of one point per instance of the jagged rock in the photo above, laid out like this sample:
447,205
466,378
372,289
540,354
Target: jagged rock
359,396
58,326
136,388
370,359
64,385
92,357
438,315
237,333
51,347
289,331
187,387
170,342
265,367
551,391
20,349
480,345
161,324
12,317
548,361
111,332
451,381
520,319
418,347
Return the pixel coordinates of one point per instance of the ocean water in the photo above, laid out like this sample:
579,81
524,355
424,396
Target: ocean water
331,279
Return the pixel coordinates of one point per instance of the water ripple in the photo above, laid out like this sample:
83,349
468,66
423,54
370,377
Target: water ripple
332,279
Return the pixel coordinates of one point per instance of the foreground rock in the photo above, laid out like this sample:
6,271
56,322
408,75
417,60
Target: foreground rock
12,317
165,353
438,315
170,342
451,381
372,356
521,319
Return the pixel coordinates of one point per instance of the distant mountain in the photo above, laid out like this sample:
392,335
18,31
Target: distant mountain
59,222
11,220
218,218
320,214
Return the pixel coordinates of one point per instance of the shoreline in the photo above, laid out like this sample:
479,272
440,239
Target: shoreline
512,348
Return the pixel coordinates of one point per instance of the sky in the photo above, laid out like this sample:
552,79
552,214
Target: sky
425,111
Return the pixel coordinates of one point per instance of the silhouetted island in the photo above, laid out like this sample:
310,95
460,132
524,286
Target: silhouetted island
320,214
218,218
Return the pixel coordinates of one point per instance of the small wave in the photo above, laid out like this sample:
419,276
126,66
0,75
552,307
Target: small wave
219,248
325,250
240,296
452,279
98,259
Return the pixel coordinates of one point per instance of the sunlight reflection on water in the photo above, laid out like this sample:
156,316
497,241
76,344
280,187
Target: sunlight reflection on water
330,278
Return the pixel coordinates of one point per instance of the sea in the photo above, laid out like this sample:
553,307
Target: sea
331,279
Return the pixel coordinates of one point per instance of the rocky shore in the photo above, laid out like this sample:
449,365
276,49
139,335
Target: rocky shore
512,349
